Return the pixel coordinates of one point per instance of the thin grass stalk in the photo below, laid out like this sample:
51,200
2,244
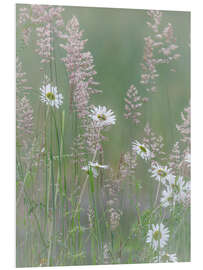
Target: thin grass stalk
157,193
34,214
47,174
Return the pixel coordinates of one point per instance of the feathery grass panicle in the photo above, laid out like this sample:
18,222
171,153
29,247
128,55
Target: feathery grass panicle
127,165
175,158
155,143
107,253
184,128
160,48
24,111
133,103
80,68
21,80
45,20
24,118
112,188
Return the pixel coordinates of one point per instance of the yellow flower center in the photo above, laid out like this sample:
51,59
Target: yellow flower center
161,173
142,148
101,117
157,235
50,96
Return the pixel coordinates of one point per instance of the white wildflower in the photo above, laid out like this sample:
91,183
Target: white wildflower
97,165
165,257
161,173
141,150
167,198
50,96
87,169
158,236
177,191
102,117
94,166
178,187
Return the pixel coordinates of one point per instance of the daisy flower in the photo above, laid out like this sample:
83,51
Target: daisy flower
161,173
141,150
177,191
50,96
165,257
178,187
87,169
94,166
167,198
97,165
158,236
102,117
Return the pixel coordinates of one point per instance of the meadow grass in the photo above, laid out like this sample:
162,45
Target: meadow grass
71,209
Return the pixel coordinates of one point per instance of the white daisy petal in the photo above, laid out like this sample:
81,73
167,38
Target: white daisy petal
165,257
50,96
94,166
141,150
97,165
161,173
180,188
101,117
167,198
158,236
